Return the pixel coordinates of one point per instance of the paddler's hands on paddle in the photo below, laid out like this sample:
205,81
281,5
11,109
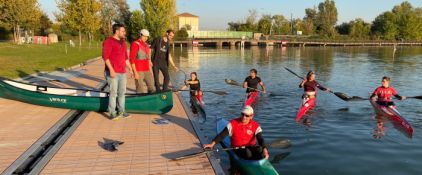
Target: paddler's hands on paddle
209,146
402,98
265,153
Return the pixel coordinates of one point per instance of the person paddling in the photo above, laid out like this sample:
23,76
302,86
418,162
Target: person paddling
382,95
244,132
251,82
194,85
309,85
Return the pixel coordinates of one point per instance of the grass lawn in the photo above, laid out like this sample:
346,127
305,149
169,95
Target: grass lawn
22,60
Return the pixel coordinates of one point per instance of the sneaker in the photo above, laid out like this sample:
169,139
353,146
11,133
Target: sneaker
124,115
114,117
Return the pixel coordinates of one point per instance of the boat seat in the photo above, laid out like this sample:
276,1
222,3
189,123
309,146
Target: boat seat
41,88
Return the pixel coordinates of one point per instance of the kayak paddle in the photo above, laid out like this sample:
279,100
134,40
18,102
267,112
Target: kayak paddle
340,95
205,151
212,91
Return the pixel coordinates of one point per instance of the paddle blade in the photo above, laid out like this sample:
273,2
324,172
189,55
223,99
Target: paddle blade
346,97
281,143
231,82
279,157
218,92
417,97
190,155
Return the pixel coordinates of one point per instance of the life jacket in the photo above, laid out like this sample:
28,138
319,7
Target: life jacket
243,135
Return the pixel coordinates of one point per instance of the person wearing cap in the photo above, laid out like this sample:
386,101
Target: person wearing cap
309,86
140,58
244,132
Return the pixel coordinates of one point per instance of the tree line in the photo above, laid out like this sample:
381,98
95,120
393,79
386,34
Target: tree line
403,22
87,19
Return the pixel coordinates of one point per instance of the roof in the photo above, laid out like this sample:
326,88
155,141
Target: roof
187,15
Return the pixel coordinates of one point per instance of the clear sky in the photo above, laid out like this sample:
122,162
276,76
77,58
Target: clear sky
215,14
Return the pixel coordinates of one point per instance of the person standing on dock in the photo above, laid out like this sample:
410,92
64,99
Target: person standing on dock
116,61
251,82
140,58
244,132
161,59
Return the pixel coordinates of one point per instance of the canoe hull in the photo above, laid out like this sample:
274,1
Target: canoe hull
247,167
158,103
305,106
393,115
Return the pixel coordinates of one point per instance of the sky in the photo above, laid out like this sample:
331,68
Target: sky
215,14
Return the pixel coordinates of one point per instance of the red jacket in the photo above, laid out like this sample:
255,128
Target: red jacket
115,51
243,135
140,55
385,94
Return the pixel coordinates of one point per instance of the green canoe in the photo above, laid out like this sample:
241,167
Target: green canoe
246,167
80,99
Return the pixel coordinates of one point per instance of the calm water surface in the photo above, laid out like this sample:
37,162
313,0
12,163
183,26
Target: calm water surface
340,139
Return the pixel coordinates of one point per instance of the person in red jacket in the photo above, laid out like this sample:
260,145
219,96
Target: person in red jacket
382,95
244,131
140,58
116,61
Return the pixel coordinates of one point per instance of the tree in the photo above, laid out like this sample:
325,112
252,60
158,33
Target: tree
264,24
80,15
234,26
309,21
45,25
281,25
136,24
327,18
343,28
403,22
182,34
359,29
19,14
114,11
159,15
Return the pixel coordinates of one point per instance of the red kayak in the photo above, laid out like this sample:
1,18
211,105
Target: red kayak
198,104
307,104
252,98
394,115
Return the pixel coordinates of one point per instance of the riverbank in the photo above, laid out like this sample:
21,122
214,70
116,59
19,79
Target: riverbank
23,60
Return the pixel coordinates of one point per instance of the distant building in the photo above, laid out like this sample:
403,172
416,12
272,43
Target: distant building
188,19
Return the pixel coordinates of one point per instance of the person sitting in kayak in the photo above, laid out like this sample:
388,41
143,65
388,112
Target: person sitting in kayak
309,85
244,132
194,85
382,95
251,82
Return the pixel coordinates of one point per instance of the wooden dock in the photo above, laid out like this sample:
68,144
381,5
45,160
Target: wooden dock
26,130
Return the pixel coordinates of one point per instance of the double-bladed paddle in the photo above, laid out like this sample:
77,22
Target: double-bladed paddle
184,87
340,95
235,83
279,143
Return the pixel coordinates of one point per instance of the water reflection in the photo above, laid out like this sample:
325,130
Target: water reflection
338,130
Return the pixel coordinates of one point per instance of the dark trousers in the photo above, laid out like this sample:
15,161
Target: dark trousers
164,69
250,153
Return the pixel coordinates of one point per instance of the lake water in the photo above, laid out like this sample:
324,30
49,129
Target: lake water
340,138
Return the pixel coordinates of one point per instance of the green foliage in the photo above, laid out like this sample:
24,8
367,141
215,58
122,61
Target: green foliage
327,18
403,22
136,24
22,60
17,14
359,29
309,21
264,24
45,25
159,15
80,15
182,34
281,25
116,11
